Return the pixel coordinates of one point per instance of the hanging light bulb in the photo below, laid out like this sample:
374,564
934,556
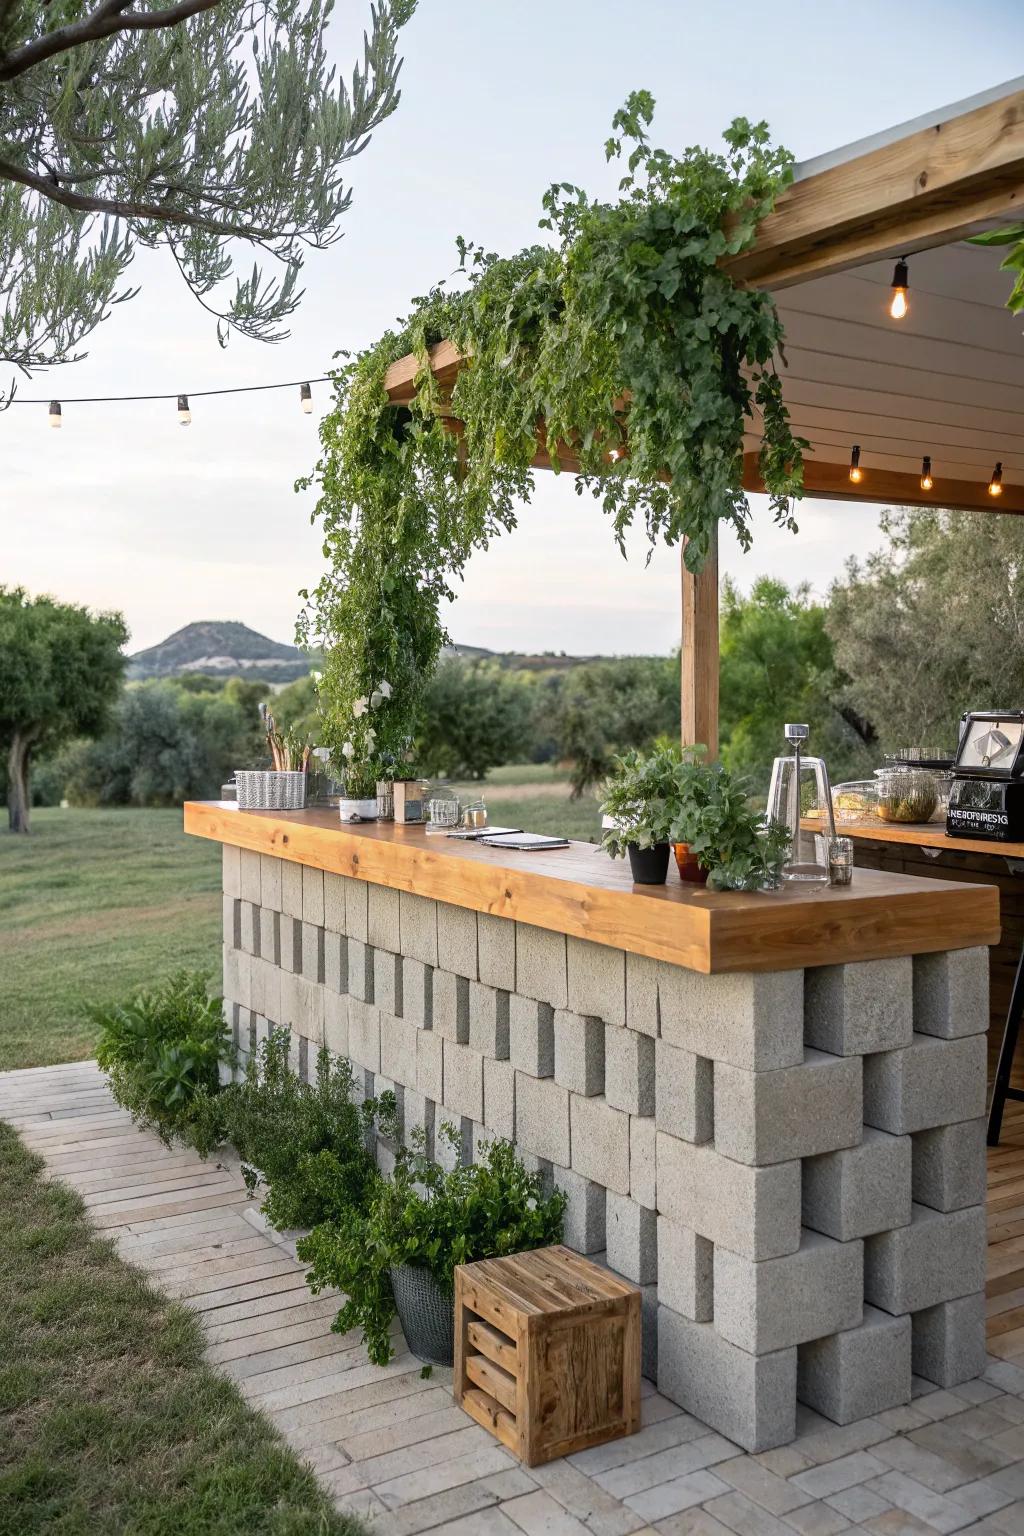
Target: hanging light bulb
184,414
995,485
306,399
55,414
856,473
926,474
898,305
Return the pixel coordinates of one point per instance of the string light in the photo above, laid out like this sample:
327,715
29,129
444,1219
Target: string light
926,474
995,485
184,414
55,414
856,473
306,399
898,305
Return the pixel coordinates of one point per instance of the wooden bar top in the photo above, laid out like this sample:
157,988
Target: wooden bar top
580,891
925,834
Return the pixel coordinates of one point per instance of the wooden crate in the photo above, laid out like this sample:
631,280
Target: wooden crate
547,1352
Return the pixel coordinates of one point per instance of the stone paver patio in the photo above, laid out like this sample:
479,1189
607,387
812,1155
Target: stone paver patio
394,1448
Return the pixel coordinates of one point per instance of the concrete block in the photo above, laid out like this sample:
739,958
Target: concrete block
232,908
500,1097
754,1020
850,1010
463,1081
583,1225
541,965
312,952
859,1372
382,919
632,1239
248,929
931,1082
770,1117
235,975
579,1052
596,980
815,1291
531,1036
949,1165
364,1034
753,1211
334,903
859,1190
643,1163
265,991
453,1142
642,995
291,889
335,961
250,877
246,1030
451,1006
312,895
489,1020
270,935
336,1007
417,992
496,946
429,1065
684,1093
302,1006
751,1399
360,970
398,1050
629,1070
231,871
270,882
544,1170
649,1332
542,1119
600,1142
420,1116
356,909
686,1260
456,940
290,938
951,993
418,927
949,1341
938,1257
387,981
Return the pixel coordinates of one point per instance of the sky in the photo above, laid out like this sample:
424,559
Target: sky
124,509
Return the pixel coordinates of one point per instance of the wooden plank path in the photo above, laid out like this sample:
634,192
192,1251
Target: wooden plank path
393,1446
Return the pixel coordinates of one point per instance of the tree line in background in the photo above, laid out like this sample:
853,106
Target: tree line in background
929,625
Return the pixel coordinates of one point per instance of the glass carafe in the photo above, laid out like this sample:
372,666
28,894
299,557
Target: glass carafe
800,791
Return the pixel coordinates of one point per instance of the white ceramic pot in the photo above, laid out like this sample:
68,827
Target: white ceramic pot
358,810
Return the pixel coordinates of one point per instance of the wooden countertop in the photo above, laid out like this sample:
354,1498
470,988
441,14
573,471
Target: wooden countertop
927,834
580,891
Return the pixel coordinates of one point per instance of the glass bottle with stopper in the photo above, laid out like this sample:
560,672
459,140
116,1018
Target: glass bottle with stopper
800,793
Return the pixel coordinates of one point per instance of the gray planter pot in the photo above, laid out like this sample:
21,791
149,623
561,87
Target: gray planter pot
426,1314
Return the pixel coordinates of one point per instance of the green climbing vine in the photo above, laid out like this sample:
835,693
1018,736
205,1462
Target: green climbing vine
622,345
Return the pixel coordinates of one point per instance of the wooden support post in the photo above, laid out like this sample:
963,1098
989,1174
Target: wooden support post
700,655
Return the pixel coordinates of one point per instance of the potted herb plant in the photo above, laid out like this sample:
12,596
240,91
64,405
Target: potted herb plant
400,1252
640,805
734,844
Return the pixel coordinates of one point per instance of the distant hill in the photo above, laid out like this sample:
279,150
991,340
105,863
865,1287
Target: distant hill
220,649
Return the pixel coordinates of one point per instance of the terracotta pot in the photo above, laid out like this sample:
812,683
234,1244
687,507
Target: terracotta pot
687,864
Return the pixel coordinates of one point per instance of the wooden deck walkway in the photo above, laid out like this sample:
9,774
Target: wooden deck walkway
395,1448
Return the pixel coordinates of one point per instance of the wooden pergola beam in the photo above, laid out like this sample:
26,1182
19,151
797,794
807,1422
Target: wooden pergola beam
894,488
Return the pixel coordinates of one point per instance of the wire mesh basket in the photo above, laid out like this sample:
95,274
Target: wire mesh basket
426,1314
265,790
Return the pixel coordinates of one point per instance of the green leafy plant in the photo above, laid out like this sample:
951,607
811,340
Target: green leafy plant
162,1052
431,1218
642,797
623,349
1013,236
732,842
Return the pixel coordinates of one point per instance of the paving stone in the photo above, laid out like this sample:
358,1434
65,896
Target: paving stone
336,1023
541,965
861,1189
643,1160
938,1257
531,1036
291,889
457,940
600,1142
753,1020
687,1271
542,1118
334,903
451,1006
489,1020
496,951
398,1049
844,1472
632,1233
851,1010
364,1034
430,1065
584,1222
597,980
500,1097
463,1080
858,1504
335,961
417,925
356,908
629,1070
951,993
684,1093
931,1082
949,1341
749,1398
773,1493
805,1295
579,1052
642,1013
312,896
861,1371
949,1165
388,982
360,970
771,1117
231,871
382,918
753,1211
312,952
922,1503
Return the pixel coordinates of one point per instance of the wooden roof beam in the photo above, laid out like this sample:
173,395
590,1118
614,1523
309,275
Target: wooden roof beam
894,488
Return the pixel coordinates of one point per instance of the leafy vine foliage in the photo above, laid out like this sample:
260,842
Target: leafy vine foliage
622,350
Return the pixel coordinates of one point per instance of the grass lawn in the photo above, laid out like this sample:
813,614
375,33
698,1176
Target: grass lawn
110,1422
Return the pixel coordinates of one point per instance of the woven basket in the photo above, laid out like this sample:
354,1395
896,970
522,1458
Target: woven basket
268,791
426,1314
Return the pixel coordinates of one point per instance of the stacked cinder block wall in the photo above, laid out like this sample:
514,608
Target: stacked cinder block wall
791,1164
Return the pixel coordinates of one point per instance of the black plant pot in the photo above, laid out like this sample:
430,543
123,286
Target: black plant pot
426,1314
649,865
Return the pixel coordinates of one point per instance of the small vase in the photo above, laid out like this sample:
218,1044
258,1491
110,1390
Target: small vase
689,868
357,810
649,865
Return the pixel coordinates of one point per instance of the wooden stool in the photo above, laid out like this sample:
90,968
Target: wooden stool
547,1352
